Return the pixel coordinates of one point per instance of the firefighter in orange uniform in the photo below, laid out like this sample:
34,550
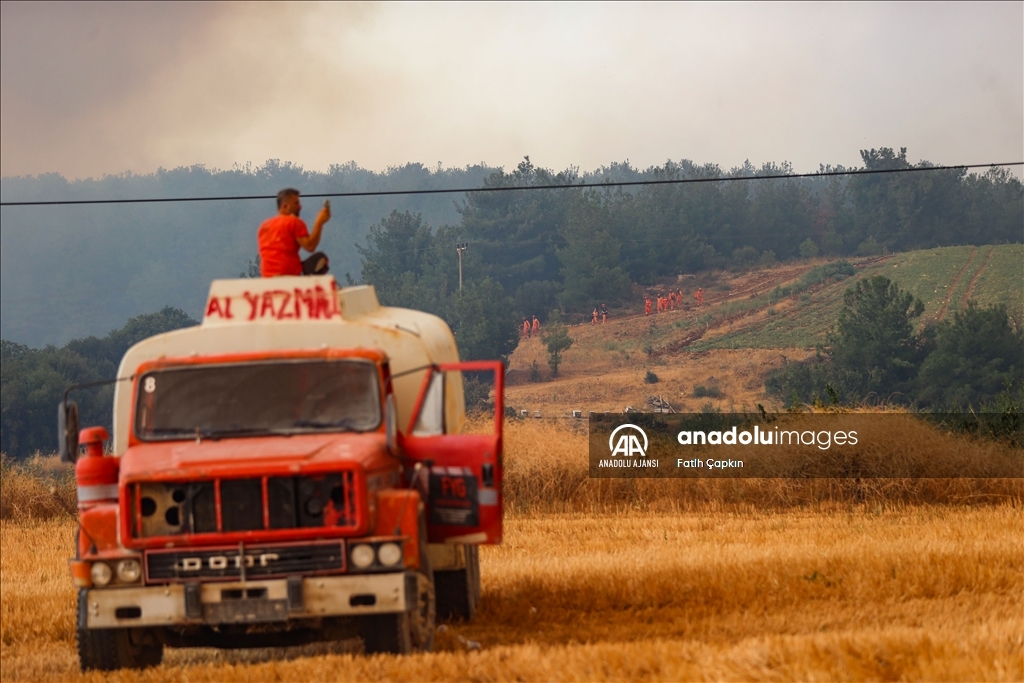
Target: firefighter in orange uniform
647,306
536,326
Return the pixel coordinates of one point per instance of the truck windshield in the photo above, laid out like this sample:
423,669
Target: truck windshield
252,399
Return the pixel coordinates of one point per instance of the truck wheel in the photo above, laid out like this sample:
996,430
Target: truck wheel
388,633
458,591
412,630
405,632
423,617
109,649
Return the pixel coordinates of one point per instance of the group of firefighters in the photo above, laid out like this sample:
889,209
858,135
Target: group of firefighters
599,316
671,302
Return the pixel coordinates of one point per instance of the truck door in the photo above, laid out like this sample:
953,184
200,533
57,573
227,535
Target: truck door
459,474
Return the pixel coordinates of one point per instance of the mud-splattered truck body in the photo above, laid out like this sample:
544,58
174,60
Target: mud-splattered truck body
292,469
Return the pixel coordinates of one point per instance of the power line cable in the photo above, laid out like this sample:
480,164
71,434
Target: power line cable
469,190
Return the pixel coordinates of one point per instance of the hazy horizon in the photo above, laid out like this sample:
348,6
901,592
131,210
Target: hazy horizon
95,89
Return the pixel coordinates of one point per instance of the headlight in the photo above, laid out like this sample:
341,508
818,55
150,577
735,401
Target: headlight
129,571
389,554
101,574
362,556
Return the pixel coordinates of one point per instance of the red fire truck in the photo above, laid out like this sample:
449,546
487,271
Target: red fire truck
295,468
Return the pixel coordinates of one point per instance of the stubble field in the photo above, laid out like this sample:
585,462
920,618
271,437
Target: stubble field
737,581
901,593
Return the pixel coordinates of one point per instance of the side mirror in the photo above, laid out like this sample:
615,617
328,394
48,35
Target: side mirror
67,430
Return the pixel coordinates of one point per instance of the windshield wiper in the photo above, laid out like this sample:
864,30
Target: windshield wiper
174,433
343,423
215,434
177,433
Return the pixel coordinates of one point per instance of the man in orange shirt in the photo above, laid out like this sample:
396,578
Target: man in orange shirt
281,236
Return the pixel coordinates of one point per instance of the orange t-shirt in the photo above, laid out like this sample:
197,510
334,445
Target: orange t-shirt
279,245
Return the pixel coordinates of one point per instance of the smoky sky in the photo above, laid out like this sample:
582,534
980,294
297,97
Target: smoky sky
104,88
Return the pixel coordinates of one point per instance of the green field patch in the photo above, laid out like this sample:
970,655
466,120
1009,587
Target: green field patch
1005,271
930,275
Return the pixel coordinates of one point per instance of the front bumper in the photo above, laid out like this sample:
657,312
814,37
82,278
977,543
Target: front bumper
246,602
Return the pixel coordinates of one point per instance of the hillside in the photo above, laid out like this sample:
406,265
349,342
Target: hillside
751,323
945,279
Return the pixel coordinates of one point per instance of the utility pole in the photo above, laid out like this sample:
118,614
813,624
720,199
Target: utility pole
461,247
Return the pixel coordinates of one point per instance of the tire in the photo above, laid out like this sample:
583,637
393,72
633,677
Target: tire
423,617
389,633
109,649
458,591
412,630
405,632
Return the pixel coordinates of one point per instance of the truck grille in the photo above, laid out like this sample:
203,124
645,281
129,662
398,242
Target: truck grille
231,505
261,562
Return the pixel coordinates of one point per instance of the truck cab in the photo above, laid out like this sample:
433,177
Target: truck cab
295,468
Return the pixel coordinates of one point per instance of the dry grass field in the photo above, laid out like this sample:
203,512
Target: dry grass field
884,593
634,580
609,386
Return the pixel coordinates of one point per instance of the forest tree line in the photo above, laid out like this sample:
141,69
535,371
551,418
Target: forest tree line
565,248
34,381
574,249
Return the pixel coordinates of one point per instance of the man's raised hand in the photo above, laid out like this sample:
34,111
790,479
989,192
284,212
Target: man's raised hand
325,213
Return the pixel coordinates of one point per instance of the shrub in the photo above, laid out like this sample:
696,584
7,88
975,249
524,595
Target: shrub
869,247
744,256
976,355
477,395
534,372
557,339
808,249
